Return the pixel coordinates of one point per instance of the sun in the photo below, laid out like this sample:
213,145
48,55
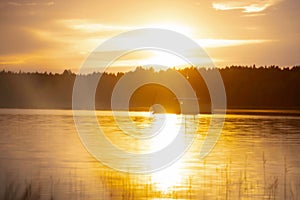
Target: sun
156,58
161,59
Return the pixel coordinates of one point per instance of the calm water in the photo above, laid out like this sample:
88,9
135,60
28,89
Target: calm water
256,157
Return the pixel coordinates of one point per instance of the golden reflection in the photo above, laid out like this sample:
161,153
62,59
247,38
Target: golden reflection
164,133
166,179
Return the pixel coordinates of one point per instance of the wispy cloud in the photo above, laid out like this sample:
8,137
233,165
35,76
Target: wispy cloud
93,27
10,61
13,3
217,43
84,26
248,6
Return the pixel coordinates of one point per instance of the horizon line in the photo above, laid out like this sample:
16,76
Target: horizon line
134,68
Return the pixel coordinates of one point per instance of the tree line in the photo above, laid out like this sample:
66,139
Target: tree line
252,87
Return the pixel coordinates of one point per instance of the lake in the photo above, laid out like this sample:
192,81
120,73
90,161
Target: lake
256,157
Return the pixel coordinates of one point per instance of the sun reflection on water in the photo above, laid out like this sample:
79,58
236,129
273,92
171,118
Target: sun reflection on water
167,131
166,179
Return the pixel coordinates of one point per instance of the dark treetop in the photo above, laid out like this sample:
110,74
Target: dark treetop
246,87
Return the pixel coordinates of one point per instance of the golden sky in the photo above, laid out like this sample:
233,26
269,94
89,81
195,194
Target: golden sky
52,35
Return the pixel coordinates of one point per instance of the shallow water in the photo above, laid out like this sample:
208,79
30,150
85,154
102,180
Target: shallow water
256,157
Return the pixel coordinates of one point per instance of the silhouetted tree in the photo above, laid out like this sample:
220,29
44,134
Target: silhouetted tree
246,87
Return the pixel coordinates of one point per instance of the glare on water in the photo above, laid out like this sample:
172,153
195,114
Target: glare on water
256,157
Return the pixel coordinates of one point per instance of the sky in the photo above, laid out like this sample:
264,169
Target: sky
52,35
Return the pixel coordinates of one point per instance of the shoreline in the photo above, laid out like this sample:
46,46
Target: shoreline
230,111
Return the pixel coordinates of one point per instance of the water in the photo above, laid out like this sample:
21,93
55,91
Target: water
256,157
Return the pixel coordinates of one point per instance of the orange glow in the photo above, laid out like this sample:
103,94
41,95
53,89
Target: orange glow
45,38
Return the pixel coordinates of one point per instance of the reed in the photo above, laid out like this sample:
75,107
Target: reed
264,171
285,175
224,183
16,191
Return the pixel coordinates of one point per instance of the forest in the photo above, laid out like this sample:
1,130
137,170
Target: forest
252,87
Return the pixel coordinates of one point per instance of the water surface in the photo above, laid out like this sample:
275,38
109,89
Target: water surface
256,157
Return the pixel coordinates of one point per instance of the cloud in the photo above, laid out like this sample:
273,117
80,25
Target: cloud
249,6
10,61
47,3
14,3
91,26
85,26
217,43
